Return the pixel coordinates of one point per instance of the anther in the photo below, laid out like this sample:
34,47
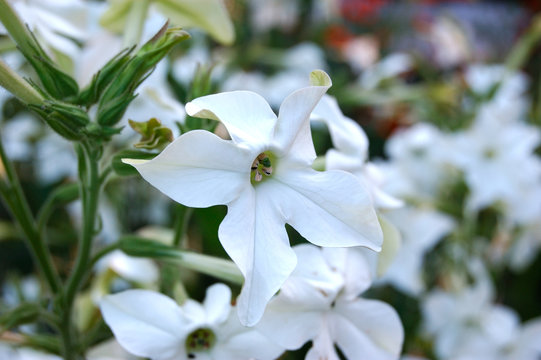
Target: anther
258,177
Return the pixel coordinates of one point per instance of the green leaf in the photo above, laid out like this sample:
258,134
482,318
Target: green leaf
25,313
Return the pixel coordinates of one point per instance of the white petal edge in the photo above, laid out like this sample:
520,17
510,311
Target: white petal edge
199,169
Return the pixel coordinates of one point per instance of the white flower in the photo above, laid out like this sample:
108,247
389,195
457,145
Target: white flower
320,302
152,325
350,152
488,152
389,67
264,176
421,230
54,23
417,161
461,321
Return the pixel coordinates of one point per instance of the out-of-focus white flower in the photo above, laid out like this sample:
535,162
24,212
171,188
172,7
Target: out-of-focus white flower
296,63
488,152
16,135
141,271
320,302
12,353
361,53
526,245
509,103
264,176
462,320
449,41
417,163
350,152
54,22
152,325
389,67
281,14
210,15
421,230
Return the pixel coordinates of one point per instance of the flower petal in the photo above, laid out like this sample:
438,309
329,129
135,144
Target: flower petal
242,343
209,15
292,134
253,234
217,303
245,114
199,169
323,346
146,323
367,329
347,136
290,323
329,208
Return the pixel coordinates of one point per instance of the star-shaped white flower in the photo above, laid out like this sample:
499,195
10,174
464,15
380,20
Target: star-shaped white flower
350,152
264,176
149,324
320,302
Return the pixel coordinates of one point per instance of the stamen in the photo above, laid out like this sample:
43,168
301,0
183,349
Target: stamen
261,166
267,170
258,177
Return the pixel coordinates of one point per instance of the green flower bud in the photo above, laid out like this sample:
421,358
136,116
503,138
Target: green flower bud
67,120
120,92
153,134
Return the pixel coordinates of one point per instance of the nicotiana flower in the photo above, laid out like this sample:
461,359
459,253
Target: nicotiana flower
509,103
488,152
320,302
456,319
417,165
421,230
54,23
295,63
210,15
264,176
150,324
350,152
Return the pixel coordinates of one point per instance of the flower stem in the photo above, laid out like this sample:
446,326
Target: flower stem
15,200
90,188
12,82
88,156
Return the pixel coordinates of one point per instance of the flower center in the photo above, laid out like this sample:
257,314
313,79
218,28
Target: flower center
199,340
262,167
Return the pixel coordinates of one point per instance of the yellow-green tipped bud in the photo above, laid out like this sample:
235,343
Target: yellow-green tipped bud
153,134
120,92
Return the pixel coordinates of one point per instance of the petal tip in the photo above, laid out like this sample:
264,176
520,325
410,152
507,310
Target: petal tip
320,78
134,162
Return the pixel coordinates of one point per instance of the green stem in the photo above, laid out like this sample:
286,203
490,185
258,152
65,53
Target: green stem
135,22
16,28
63,194
14,198
181,223
104,251
88,156
12,82
89,190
